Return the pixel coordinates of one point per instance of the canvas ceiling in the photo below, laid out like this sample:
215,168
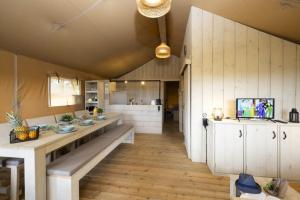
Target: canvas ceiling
113,39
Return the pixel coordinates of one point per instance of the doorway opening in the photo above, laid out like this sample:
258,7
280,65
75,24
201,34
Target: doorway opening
171,107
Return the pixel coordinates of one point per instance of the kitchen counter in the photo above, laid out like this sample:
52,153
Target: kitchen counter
145,118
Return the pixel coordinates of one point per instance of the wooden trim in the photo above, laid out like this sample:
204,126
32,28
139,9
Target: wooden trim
186,62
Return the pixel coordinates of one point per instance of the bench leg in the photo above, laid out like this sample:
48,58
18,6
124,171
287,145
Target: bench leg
62,188
15,181
130,139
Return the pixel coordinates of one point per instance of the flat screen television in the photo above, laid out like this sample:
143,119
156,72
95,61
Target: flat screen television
259,108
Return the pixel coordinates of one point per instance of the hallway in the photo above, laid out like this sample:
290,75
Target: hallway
156,168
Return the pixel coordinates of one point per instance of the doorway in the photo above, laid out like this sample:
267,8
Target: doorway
171,107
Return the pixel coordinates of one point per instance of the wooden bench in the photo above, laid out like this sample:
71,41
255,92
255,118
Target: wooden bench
63,175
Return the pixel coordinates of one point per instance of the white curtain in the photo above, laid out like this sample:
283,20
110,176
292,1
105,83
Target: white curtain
63,91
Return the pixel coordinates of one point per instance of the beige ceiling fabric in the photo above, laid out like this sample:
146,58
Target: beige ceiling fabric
6,83
109,40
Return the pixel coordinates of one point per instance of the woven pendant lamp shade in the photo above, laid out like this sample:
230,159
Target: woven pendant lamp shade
154,8
163,51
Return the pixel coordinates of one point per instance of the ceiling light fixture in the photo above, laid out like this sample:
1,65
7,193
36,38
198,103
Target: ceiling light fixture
153,8
143,83
153,3
125,82
163,51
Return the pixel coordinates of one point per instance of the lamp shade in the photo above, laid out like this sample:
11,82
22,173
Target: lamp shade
218,114
163,51
153,3
153,8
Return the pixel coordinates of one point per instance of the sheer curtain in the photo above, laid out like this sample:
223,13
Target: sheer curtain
63,91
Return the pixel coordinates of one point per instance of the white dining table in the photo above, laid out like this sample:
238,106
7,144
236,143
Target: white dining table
34,153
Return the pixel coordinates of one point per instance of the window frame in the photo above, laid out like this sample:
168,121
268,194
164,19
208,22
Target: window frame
50,95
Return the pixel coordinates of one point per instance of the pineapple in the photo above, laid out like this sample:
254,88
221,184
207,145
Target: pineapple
17,124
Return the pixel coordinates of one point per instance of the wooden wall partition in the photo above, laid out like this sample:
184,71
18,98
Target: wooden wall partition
156,69
239,61
231,60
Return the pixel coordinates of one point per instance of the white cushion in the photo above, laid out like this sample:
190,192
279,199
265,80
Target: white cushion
14,161
41,120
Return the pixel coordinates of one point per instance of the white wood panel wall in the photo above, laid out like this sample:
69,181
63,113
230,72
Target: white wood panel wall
236,61
143,94
156,69
239,61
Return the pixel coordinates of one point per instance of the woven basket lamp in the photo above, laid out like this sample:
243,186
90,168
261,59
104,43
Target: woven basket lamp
153,8
163,51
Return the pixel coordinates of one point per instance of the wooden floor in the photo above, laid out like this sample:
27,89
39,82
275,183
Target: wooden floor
156,167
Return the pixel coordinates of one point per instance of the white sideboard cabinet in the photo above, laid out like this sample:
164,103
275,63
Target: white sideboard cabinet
229,154
260,148
289,152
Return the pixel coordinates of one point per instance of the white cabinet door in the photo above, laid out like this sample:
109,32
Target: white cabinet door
290,152
261,146
229,148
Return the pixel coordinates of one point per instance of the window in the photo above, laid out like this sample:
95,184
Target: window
63,92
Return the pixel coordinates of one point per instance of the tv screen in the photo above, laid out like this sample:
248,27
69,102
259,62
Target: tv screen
261,108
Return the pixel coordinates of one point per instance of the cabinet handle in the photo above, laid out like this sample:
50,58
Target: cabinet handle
284,135
274,135
241,134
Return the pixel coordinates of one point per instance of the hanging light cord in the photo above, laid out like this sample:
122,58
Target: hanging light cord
58,26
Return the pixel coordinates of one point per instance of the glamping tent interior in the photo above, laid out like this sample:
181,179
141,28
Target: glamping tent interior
149,99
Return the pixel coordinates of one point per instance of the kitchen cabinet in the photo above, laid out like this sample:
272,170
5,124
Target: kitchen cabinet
261,147
229,154
290,152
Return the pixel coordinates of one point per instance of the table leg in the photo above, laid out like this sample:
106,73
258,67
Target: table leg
35,175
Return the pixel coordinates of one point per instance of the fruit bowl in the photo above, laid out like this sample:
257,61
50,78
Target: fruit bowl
33,133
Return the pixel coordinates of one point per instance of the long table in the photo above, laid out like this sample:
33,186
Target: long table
34,153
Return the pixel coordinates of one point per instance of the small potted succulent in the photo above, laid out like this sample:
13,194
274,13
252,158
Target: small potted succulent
100,111
66,119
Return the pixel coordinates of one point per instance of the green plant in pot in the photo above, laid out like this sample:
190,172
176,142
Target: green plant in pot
66,118
100,111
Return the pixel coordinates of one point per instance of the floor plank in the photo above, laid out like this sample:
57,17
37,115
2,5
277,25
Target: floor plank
156,167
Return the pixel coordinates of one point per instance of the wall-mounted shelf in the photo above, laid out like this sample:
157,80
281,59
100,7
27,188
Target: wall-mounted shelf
91,92
94,90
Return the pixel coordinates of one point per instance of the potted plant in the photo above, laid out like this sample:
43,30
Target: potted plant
100,111
66,118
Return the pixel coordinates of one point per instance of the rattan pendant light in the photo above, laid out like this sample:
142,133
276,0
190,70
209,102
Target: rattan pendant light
163,51
154,8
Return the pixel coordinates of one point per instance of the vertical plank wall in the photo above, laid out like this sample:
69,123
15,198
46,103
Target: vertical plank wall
156,69
239,61
231,60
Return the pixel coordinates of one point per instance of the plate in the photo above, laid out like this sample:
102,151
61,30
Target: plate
86,124
102,117
65,132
